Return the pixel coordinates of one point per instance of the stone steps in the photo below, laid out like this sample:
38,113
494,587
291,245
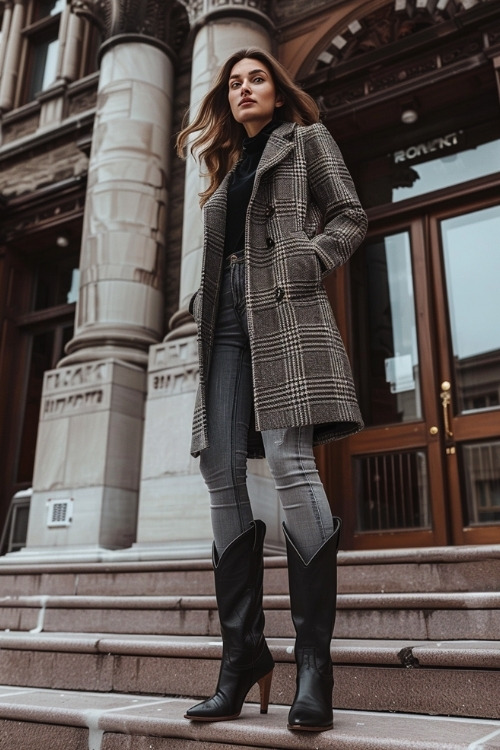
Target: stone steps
89,651
436,616
448,678
59,720
433,569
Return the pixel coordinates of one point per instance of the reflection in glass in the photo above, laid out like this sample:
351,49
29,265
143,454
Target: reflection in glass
449,170
385,339
57,280
472,263
41,360
49,7
480,464
392,492
429,165
44,66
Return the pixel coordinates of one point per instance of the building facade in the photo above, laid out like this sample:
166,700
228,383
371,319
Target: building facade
100,252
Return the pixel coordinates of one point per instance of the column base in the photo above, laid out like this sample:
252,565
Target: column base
87,466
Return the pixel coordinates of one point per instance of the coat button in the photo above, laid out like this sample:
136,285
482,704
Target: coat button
270,210
279,293
269,242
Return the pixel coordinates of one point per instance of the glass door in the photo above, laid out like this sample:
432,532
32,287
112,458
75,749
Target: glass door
466,262
395,472
425,345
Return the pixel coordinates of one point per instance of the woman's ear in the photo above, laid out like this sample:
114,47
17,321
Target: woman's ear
279,100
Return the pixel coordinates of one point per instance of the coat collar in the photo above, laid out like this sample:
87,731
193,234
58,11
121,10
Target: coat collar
279,144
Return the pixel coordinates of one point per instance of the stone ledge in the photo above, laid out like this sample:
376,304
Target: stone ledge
129,560
150,716
476,600
467,654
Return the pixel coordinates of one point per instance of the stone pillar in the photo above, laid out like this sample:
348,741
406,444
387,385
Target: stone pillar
6,20
120,305
10,70
218,35
174,507
90,434
73,26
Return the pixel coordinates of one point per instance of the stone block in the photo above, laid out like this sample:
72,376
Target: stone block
150,103
89,451
175,510
174,504
134,61
115,100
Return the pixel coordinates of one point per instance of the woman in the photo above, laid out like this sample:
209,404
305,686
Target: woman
280,213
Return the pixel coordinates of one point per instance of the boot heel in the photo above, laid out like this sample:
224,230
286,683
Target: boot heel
265,690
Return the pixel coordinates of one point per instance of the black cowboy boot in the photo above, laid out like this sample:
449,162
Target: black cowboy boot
246,658
313,595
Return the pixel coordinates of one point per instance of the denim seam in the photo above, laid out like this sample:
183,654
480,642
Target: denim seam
314,499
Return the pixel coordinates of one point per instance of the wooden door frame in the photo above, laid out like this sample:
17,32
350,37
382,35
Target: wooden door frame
334,460
461,428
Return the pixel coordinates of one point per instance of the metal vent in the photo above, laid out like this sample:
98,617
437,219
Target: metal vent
60,512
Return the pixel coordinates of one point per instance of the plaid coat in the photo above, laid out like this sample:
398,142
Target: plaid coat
304,219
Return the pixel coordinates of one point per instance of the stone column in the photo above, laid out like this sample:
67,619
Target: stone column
10,69
6,20
220,32
71,42
90,433
120,305
174,507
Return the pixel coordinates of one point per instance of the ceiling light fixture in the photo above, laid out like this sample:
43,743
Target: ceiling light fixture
409,115
62,240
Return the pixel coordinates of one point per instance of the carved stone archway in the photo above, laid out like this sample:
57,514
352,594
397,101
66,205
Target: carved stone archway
375,25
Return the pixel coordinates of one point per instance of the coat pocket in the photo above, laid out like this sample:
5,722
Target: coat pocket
301,265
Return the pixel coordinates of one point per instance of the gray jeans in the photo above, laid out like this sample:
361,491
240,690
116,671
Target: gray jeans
289,451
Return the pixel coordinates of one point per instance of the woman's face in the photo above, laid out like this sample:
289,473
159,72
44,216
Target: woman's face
252,94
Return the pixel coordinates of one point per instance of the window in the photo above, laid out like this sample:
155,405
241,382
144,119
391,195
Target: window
47,328
49,8
42,47
41,58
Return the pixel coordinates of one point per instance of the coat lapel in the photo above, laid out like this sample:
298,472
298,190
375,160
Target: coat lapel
279,145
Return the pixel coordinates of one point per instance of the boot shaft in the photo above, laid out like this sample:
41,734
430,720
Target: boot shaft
313,593
238,577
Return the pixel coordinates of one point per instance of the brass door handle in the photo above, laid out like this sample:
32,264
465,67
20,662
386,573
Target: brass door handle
446,403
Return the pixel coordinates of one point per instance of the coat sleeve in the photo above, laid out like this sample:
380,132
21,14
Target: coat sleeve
332,188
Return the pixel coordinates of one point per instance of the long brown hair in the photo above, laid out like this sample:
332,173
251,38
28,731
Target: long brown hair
220,141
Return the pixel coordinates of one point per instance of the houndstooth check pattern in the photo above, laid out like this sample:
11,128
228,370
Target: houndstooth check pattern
304,219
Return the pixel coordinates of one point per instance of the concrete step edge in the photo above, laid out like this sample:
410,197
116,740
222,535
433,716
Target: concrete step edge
378,601
116,563
154,716
467,654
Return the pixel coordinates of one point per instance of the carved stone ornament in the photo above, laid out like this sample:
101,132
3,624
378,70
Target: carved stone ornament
390,23
198,8
151,18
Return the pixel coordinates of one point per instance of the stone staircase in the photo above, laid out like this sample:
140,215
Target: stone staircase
109,655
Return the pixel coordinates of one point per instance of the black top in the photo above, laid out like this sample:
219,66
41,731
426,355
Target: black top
240,188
